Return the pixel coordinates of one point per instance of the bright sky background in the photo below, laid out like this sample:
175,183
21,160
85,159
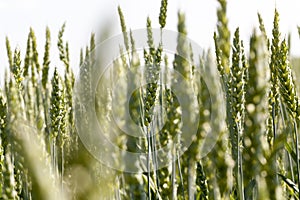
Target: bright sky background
84,17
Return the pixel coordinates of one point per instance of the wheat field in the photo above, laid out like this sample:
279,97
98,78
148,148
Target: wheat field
240,121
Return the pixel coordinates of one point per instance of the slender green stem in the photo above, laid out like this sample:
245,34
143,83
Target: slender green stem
148,163
180,175
240,165
274,135
155,161
62,168
297,155
174,191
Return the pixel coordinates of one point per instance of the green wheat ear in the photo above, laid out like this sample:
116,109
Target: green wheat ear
81,58
9,53
150,37
9,184
55,104
16,69
274,64
35,55
46,61
34,65
275,50
287,87
153,62
182,60
218,53
27,60
263,29
63,48
124,29
163,13
223,35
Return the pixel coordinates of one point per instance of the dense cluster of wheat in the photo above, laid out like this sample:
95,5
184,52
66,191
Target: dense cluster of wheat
256,155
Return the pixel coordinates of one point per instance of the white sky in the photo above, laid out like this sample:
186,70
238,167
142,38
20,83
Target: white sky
83,17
